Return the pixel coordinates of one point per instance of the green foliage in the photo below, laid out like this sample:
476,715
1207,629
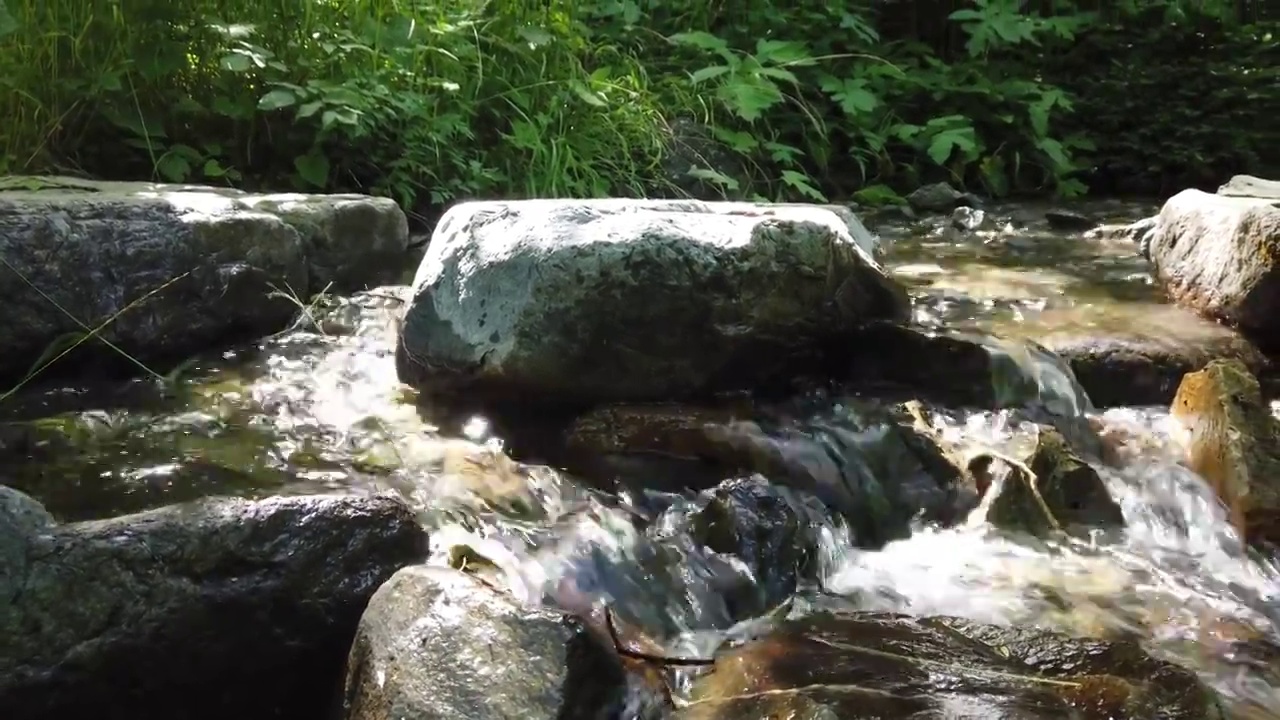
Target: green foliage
429,102
1162,123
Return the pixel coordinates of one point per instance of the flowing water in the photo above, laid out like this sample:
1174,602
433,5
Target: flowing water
318,409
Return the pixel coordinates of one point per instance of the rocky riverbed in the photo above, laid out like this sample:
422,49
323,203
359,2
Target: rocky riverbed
917,512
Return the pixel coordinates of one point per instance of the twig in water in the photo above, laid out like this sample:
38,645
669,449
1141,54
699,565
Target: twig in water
662,660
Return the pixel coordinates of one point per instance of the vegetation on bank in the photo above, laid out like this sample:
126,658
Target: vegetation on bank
430,101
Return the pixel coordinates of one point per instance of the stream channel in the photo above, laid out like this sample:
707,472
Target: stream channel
317,409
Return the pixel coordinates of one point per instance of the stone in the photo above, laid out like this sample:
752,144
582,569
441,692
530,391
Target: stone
1250,186
207,610
940,198
1145,365
1233,442
1069,220
958,369
172,269
437,643
591,301
864,462
1063,492
1218,255
773,532
879,665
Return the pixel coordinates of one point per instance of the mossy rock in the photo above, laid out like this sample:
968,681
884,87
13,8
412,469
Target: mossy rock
1061,492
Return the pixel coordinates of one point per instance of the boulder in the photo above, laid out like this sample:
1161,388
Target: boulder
586,301
1233,442
1055,490
171,269
208,610
438,643
863,665
1218,255
1144,365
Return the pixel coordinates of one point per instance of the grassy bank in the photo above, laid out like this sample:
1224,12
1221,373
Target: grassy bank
429,102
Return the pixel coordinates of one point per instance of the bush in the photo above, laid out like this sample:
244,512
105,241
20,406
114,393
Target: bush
1173,102
429,102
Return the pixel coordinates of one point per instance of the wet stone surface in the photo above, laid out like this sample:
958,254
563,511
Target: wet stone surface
701,524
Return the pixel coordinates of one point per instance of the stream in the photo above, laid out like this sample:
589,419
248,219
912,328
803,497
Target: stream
318,409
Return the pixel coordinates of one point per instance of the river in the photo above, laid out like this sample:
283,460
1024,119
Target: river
318,409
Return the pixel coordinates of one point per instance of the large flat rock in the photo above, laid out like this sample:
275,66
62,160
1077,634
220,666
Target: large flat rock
173,269
595,300
1218,255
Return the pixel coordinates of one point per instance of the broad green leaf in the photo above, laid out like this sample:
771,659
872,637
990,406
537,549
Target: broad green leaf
236,62
277,99
748,97
802,184
312,168
708,73
700,40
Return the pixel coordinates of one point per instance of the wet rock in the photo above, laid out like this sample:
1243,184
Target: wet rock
961,370
1250,186
213,609
437,643
940,198
855,665
183,266
1219,255
968,220
769,529
1144,368
1061,492
586,301
1069,220
864,462
1233,442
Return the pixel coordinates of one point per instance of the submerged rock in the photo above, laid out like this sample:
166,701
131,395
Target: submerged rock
773,532
437,643
865,665
1233,442
864,462
1219,255
622,300
1069,220
1061,492
207,610
176,268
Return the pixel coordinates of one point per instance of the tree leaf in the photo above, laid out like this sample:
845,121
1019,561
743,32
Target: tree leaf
312,168
277,99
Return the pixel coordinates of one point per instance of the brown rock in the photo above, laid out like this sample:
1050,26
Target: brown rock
865,665
1233,444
